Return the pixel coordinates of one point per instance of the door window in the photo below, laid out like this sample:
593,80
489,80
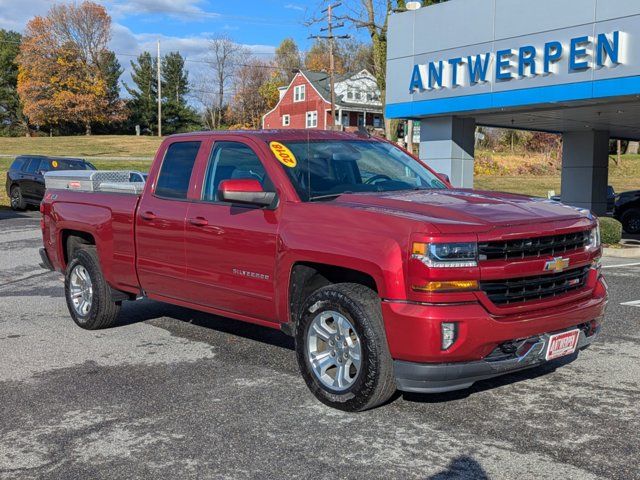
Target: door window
232,160
175,173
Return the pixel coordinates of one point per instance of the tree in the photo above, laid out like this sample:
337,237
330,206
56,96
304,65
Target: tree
178,115
11,118
373,16
287,59
143,103
356,55
60,78
111,72
317,58
225,57
251,99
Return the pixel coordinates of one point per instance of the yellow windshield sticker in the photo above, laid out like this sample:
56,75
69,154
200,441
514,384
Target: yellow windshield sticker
283,154
54,164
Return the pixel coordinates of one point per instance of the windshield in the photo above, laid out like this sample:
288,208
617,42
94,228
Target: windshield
325,169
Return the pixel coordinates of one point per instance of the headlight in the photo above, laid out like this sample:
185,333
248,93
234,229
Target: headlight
594,238
447,255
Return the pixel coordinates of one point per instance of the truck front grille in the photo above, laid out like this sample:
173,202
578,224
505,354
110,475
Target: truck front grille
524,289
533,247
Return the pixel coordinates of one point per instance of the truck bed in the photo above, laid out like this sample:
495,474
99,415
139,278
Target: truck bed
108,217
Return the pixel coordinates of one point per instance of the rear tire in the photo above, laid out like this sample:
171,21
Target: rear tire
631,220
87,293
17,200
343,323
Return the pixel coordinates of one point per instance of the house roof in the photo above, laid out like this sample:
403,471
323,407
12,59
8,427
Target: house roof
320,81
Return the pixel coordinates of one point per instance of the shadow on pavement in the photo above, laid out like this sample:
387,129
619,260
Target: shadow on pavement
149,310
462,467
7,214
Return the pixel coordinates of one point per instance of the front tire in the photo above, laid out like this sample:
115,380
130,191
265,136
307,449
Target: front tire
17,200
342,348
631,221
87,293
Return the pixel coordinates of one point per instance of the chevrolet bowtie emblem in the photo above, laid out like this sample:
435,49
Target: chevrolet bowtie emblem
556,265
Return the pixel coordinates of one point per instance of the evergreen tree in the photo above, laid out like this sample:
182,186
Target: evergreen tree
111,72
143,104
11,118
177,115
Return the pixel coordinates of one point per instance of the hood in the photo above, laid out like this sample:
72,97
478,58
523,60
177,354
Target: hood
453,210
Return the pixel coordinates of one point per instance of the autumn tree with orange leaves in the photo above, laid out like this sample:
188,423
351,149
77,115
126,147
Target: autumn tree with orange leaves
60,79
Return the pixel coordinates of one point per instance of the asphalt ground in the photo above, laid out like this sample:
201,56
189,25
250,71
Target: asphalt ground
173,393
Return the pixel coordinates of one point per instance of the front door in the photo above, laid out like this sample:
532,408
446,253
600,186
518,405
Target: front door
231,249
160,223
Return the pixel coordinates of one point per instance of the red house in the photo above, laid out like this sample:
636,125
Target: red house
306,102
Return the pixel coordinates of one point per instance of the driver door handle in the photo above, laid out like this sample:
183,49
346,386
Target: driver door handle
199,222
148,215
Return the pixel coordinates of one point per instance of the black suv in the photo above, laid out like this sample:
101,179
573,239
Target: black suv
628,211
25,179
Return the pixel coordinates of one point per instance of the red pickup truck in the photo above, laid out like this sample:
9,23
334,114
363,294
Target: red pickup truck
387,277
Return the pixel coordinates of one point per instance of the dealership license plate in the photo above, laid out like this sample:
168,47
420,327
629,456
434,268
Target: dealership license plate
562,344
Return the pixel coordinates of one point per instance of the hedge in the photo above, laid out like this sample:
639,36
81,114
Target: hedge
610,231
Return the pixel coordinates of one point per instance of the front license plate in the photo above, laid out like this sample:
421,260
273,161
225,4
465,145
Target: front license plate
562,344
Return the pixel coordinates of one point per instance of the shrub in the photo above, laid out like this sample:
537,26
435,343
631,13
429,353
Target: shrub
610,231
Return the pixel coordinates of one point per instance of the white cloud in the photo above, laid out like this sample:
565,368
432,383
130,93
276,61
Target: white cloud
293,6
176,8
14,14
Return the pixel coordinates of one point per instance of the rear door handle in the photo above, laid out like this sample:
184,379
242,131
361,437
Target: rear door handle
148,215
199,222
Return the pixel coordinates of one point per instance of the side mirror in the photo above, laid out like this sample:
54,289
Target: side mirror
444,177
246,191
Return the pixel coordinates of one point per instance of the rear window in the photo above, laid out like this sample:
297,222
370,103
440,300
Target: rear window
17,163
175,173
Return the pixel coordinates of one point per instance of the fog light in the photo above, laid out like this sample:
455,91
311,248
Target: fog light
449,334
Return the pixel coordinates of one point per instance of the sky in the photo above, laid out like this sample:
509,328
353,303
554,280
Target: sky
185,25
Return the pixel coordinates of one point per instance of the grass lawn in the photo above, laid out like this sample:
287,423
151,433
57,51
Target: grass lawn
81,146
623,177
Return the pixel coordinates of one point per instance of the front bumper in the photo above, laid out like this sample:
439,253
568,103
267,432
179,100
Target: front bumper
446,377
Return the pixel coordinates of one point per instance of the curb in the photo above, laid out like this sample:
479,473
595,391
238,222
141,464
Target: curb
633,252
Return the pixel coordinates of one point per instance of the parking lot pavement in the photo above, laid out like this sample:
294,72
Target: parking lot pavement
173,393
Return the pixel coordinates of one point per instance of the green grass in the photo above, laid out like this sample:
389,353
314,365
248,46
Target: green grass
82,146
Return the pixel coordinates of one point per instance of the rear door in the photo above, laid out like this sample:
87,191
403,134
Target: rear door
160,222
231,249
29,176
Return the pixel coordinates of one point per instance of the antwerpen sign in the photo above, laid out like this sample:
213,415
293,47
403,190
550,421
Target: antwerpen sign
577,54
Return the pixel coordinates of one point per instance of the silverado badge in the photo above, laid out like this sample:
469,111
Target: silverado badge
556,265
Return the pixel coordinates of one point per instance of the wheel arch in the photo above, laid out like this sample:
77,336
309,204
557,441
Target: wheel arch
305,277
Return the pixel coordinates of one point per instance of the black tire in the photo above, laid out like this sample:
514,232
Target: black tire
16,198
375,382
631,220
103,311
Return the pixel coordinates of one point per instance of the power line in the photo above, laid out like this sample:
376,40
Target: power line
331,38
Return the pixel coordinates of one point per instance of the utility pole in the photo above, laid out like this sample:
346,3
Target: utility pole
331,38
159,93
